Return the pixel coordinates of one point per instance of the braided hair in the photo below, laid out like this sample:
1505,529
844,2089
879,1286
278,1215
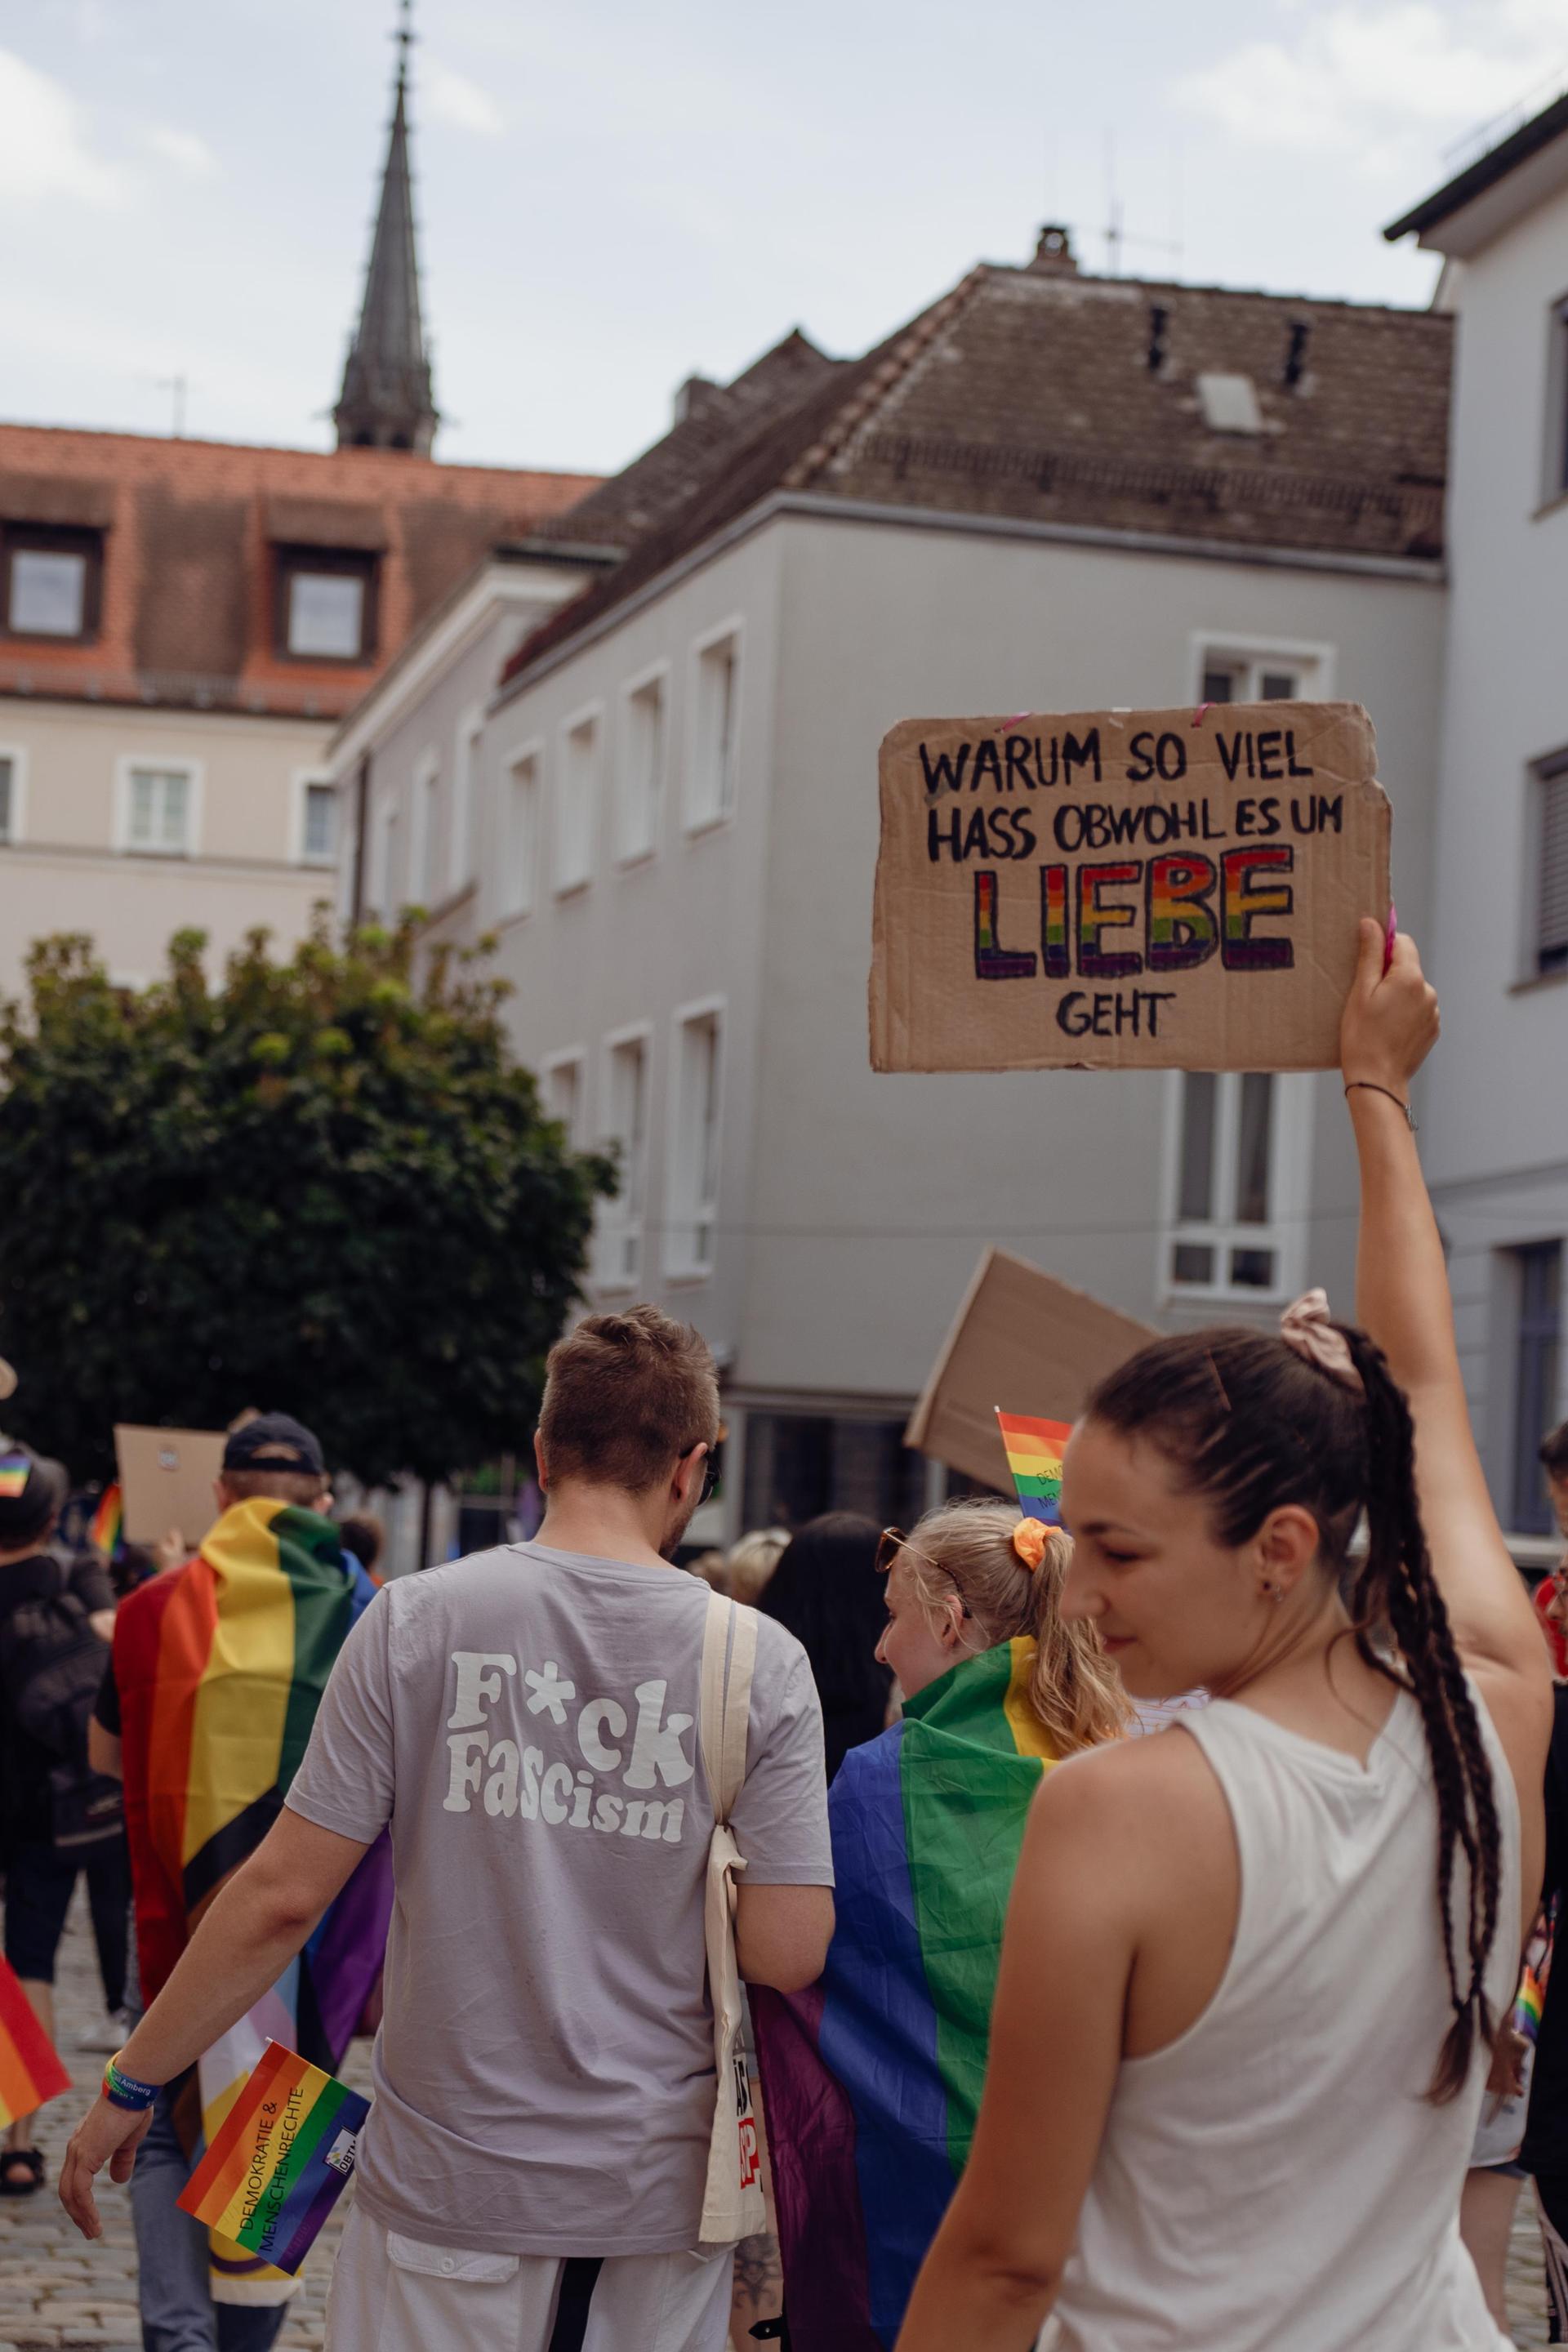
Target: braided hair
1248,1422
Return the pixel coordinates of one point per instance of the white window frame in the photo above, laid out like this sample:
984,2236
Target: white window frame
298,853
466,797
614,1228
1290,1167
515,904
424,791
638,853
1236,648
569,1057
699,814
684,1212
167,764
566,884
16,832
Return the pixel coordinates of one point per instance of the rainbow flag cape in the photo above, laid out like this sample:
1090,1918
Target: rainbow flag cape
871,2080
30,2068
221,1666
280,2160
1035,1450
104,1532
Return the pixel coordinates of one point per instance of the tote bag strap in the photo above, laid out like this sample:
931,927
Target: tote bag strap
726,1699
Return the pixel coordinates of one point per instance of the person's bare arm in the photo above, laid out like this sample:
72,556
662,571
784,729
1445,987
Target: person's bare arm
994,2269
104,1750
245,1940
1402,1299
782,1934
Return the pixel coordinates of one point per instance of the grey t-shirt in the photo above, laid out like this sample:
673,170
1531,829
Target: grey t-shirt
526,1720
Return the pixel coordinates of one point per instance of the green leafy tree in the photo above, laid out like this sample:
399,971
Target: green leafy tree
322,1188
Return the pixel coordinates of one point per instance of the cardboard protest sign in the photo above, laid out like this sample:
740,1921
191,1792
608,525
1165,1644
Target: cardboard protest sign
1160,889
166,1479
1022,1339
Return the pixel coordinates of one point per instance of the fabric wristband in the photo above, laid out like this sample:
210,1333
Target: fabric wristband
124,2091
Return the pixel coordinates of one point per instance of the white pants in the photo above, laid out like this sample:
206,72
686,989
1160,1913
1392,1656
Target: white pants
392,2293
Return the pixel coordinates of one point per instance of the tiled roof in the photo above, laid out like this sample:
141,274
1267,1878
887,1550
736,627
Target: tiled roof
190,534
1029,394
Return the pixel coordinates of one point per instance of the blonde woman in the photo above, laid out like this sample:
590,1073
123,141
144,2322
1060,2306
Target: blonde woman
873,2078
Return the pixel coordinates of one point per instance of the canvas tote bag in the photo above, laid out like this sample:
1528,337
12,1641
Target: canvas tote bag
733,2205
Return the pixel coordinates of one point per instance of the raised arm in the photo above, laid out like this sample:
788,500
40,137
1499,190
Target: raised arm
1402,1299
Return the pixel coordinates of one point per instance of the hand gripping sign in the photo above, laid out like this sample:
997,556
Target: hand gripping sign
1158,890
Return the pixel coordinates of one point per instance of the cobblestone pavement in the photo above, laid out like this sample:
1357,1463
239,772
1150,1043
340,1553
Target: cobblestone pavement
56,2290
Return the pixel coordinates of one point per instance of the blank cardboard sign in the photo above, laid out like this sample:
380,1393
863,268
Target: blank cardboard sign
1154,889
166,1479
1023,1340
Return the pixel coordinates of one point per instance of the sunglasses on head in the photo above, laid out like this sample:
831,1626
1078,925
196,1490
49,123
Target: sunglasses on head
891,1542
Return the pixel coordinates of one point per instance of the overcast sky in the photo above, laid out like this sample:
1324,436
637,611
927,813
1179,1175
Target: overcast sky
615,193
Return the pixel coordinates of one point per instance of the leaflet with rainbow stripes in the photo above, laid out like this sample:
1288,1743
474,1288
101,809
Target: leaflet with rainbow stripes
30,2067
280,2160
1035,1450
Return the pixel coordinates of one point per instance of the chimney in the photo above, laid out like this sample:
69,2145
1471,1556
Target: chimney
1054,255
697,392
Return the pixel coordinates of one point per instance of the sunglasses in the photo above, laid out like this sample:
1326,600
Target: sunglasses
891,1542
711,1471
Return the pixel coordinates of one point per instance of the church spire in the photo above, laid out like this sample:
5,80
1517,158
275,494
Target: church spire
386,402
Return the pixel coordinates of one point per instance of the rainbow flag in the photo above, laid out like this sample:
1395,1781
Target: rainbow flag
30,2068
1035,1450
221,1666
871,2080
104,1532
280,2160
14,1471
1528,2003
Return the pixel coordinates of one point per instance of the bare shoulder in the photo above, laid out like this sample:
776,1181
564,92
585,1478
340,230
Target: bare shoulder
1134,1807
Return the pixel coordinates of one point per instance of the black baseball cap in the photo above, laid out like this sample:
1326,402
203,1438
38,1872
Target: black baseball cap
33,1491
274,1441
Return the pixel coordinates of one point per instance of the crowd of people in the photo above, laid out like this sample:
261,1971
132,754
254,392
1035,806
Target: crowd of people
1142,2038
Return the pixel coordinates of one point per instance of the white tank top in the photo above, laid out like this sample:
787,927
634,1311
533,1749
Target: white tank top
1275,2180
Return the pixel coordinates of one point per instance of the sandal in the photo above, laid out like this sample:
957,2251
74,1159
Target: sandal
30,2180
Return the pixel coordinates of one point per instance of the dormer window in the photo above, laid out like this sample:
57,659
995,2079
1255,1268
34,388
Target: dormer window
51,582
326,604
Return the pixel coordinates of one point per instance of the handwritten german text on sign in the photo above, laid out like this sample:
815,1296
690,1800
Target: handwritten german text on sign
1131,889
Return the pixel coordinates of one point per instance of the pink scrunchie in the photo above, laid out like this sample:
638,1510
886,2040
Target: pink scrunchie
1305,1327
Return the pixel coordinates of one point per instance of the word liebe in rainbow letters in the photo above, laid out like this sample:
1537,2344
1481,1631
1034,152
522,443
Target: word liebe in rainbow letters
1125,890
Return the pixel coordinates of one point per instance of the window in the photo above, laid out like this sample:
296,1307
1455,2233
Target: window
422,831
384,858
158,809
711,791
1535,1402
642,771
318,822
1225,1235
326,605
1229,404
798,1466
694,1144
465,784
1551,910
563,1091
1556,483
618,1259
10,799
519,852
51,582
1259,677
577,801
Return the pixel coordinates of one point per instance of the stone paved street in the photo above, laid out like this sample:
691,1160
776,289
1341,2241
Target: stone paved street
56,2289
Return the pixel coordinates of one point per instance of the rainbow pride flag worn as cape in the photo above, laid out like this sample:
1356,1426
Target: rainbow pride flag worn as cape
871,2080
221,1666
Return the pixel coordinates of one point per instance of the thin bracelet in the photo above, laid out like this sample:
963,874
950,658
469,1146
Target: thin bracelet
1370,1087
124,2090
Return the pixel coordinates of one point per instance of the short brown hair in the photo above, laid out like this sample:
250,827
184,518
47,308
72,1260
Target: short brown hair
300,1488
1554,1452
625,1396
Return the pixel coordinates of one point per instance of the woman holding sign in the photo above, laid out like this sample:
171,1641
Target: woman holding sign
1253,1967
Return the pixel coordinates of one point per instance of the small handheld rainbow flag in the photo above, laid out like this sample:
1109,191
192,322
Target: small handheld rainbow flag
1035,1450
280,2160
104,1532
14,1471
30,2068
1526,2019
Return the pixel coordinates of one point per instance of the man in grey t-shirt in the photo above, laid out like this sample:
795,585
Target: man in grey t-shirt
526,1722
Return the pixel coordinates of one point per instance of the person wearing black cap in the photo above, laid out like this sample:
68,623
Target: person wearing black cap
49,1622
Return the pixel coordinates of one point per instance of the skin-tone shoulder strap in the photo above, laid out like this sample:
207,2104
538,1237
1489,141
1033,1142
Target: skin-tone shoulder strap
725,1702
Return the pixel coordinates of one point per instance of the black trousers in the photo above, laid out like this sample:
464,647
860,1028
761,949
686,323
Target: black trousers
40,1881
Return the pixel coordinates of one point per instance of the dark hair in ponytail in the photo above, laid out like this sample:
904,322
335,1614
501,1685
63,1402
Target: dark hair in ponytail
1250,1424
